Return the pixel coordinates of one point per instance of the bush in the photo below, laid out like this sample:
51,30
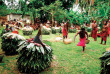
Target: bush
10,43
89,29
33,58
56,30
27,30
53,31
4,31
105,63
60,30
46,31
72,30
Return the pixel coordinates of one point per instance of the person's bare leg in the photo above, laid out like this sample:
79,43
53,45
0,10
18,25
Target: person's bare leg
104,43
101,41
95,39
83,49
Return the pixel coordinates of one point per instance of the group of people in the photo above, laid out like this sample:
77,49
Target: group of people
105,32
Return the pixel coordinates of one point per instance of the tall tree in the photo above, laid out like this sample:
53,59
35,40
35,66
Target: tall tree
3,9
55,11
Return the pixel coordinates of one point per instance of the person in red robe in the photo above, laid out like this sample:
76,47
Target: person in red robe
104,33
94,31
108,28
65,32
83,36
67,25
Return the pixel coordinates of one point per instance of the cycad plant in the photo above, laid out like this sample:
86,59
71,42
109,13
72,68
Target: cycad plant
10,43
105,63
33,57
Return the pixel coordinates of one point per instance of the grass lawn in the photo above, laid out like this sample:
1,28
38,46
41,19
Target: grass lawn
68,59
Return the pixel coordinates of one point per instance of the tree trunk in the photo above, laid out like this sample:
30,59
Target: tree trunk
92,2
89,7
76,1
52,19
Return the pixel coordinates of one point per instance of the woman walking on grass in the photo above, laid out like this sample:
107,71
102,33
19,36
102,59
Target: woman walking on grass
104,33
83,36
65,32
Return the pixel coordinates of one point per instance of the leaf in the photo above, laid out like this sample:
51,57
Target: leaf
34,49
31,45
21,43
42,49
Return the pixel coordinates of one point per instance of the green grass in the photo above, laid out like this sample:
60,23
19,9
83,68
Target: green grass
69,59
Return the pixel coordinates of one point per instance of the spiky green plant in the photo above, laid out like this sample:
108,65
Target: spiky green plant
33,57
105,63
10,43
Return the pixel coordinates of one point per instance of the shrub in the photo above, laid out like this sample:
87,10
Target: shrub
10,43
4,31
46,31
53,31
56,30
60,30
89,29
27,30
33,58
105,63
72,30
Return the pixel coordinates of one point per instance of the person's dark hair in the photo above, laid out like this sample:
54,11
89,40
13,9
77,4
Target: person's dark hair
82,33
105,22
92,21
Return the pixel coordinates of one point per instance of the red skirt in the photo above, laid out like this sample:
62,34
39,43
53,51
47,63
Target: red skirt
104,36
82,42
94,33
108,30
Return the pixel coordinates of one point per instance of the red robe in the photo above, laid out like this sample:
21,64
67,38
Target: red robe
94,33
64,31
104,36
108,30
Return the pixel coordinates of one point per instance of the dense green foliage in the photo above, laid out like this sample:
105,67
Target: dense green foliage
46,31
33,57
105,63
54,30
89,29
27,32
3,9
10,45
72,30
4,31
60,10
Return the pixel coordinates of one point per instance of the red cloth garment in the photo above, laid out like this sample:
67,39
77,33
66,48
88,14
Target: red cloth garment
104,36
82,42
94,33
108,30
16,32
64,31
